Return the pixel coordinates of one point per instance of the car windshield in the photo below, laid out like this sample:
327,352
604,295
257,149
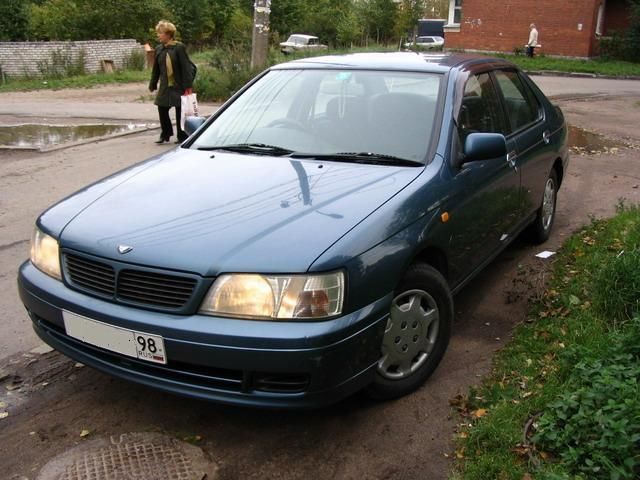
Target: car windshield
331,112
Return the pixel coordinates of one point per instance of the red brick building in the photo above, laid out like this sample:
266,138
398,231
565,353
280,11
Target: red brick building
570,28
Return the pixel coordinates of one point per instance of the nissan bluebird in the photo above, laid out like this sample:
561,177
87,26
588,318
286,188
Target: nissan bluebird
306,241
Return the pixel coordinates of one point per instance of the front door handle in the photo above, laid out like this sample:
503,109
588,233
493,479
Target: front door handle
511,159
546,137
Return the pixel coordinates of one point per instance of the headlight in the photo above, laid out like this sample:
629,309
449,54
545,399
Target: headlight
45,253
276,296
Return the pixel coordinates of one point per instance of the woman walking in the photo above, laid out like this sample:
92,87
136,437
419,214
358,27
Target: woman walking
172,68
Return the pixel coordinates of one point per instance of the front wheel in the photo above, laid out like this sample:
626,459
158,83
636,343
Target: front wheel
541,226
416,335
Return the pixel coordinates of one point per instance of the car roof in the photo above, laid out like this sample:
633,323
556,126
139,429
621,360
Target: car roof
411,61
302,35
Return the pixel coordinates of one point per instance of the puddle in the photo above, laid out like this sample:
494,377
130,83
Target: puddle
585,142
37,136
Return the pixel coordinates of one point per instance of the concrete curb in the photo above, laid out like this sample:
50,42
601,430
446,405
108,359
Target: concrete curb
554,73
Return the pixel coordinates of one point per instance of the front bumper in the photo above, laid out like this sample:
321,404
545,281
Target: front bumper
240,362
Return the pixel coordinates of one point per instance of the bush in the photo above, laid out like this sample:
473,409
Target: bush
62,64
625,45
616,289
614,47
227,70
594,427
136,60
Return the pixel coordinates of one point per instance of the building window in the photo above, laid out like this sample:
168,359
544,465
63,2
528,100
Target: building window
600,23
455,12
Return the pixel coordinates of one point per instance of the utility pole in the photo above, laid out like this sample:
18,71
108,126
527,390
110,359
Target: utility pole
260,41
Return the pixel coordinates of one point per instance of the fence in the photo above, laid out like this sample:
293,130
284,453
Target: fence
21,59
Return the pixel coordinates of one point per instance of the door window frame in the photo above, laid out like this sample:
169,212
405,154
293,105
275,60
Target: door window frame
529,95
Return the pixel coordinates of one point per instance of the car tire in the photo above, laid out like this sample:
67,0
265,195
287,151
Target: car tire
416,335
543,223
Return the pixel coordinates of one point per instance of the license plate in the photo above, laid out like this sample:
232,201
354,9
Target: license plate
143,346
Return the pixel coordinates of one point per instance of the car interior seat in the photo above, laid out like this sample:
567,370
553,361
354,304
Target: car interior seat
401,124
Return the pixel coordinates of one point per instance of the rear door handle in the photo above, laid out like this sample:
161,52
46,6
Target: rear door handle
546,137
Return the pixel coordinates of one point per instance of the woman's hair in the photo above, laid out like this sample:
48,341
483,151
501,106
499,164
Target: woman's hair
164,26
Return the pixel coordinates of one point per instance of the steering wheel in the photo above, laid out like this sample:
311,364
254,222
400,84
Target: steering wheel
286,122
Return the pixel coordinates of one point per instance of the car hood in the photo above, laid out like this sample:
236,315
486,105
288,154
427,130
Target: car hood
209,213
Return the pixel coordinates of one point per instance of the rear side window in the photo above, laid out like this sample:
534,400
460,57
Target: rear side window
480,110
521,104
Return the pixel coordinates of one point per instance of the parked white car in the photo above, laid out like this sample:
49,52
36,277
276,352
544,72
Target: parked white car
425,43
299,42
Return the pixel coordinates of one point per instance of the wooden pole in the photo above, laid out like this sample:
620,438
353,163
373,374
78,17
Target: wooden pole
260,39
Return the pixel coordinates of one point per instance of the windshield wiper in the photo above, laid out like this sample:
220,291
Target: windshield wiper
254,148
361,157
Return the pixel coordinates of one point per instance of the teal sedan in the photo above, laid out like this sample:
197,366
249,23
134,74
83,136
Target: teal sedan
308,239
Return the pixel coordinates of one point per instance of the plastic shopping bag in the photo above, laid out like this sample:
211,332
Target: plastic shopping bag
189,108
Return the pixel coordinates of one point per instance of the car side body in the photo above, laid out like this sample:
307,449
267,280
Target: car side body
404,224
426,43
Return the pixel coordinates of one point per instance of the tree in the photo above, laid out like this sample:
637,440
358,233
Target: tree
322,17
436,8
90,20
288,16
14,20
349,29
194,20
379,17
409,12
632,35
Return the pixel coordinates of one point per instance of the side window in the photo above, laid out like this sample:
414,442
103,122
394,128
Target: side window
521,104
480,110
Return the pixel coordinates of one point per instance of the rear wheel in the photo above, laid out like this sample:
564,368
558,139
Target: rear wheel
543,223
416,335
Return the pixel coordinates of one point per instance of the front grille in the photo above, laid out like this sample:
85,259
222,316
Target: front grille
127,285
91,275
280,382
155,288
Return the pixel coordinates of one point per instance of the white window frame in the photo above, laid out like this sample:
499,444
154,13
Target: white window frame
452,12
600,21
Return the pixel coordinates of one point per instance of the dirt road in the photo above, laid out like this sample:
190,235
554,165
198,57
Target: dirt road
53,400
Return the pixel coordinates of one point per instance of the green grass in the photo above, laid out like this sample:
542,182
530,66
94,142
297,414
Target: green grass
80,81
573,366
595,66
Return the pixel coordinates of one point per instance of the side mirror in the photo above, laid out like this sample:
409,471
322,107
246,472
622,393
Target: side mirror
483,146
191,124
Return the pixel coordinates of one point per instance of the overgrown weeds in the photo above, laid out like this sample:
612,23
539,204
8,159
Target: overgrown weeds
563,399
63,64
136,60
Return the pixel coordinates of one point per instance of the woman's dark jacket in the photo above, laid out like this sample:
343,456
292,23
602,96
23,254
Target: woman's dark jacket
170,96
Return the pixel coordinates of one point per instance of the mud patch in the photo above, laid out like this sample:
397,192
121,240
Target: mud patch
584,142
29,372
128,456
